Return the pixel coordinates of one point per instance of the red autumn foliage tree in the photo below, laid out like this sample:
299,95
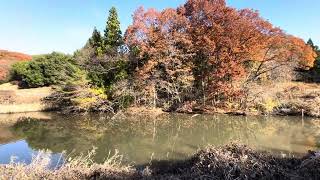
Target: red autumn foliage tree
206,44
163,61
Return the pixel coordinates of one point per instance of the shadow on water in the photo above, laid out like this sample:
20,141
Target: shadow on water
167,137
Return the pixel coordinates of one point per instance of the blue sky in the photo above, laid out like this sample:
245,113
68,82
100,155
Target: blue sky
42,26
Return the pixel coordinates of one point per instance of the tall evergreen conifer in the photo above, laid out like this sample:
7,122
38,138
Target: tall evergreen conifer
112,34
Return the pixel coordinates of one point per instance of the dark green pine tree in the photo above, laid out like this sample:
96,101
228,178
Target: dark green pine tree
314,47
96,41
310,43
317,50
112,34
96,38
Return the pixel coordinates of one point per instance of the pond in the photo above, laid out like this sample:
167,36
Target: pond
142,139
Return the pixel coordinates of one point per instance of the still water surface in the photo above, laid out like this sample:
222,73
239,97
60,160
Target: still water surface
139,140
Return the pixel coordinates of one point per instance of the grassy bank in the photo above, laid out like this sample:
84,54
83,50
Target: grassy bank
15,100
287,98
228,162
282,98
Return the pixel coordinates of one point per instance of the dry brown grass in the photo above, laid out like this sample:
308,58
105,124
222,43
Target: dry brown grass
81,167
228,162
290,98
15,100
18,108
144,111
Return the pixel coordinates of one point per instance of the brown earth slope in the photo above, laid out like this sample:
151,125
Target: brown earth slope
8,58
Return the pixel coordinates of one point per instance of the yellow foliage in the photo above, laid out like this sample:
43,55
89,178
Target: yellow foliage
269,104
83,102
99,92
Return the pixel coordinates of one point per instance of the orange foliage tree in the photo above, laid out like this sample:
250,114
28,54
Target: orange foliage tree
204,46
223,40
283,51
162,60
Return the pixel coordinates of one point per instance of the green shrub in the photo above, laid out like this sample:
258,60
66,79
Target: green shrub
46,70
106,72
125,101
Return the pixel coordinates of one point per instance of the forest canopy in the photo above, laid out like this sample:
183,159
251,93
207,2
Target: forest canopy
201,53
206,45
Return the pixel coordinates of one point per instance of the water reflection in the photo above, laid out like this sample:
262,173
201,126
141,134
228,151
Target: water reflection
174,136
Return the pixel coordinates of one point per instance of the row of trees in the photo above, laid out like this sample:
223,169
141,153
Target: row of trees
208,49
202,52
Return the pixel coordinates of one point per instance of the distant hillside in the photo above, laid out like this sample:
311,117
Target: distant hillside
8,58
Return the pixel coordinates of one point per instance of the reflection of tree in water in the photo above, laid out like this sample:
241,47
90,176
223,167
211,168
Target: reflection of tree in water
165,137
6,136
